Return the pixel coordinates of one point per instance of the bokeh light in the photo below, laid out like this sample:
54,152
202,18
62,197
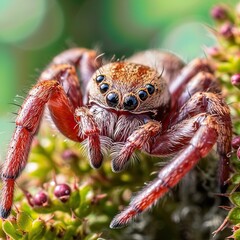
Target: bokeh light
187,39
20,18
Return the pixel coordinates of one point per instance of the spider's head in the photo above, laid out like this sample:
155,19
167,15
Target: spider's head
131,87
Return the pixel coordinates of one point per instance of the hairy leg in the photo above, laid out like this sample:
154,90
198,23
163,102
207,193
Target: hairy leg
27,125
59,88
86,62
89,129
178,85
214,105
135,141
199,146
202,121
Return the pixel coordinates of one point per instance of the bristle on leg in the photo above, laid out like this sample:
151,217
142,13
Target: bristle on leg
7,200
123,218
94,151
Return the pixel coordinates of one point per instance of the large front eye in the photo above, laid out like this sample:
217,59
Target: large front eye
142,95
112,99
100,78
150,88
130,102
104,87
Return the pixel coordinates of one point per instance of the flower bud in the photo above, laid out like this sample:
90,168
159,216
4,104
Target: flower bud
238,153
235,80
219,13
69,155
40,199
236,141
213,52
63,192
226,30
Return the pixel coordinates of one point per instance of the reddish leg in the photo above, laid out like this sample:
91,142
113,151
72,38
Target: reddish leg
89,129
135,141
202,82
214,105
199,146
194,133
86,62
67,77
177,85
62,96
27,124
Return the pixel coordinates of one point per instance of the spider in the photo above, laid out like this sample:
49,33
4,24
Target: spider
151,102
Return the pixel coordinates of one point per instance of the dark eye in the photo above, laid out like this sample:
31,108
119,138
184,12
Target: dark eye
100,78
150,88
104,87
142,95
130,102
112,99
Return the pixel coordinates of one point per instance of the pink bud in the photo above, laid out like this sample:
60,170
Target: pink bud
235,80
219,13
62,191
213,51
40,199
238,153
226,30
69,155
236,142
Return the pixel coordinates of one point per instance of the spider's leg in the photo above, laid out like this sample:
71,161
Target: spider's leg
214,105
202,82
59,88
199,146
178,85
203,121
66,75
88,128
135,141
27,125
86,61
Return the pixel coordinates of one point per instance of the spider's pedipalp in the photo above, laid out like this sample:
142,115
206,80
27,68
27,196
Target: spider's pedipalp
135,141
88,128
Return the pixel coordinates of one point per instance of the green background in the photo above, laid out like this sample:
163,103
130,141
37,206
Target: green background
32,32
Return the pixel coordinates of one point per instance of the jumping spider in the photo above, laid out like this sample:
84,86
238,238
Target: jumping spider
152,102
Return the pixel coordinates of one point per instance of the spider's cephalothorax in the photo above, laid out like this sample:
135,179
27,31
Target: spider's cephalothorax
151,102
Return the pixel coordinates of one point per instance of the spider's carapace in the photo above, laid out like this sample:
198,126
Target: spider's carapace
152,102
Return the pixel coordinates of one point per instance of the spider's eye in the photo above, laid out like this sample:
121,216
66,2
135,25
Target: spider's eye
150,88
100,78
130,102
112,99
104,87
142,95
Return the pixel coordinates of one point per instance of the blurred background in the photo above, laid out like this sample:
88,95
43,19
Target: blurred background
32,32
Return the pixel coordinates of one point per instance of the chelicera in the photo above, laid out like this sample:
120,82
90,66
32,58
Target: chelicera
152,102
